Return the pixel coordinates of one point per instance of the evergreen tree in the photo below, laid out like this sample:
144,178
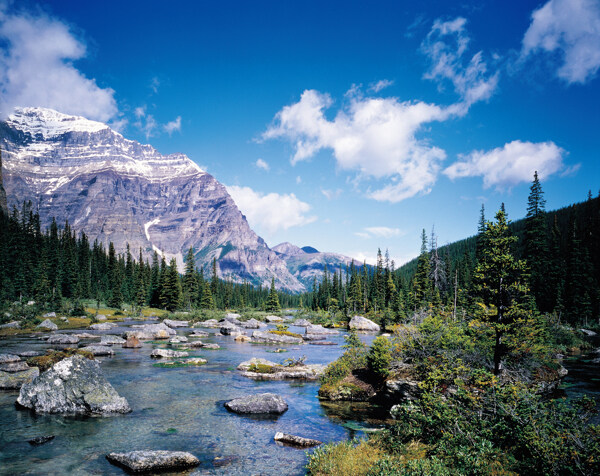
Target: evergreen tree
170,293
190,279
500,283
207,301
115,278
536,246
421,283
272,304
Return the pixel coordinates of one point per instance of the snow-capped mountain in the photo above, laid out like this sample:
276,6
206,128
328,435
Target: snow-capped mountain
307,263
119,190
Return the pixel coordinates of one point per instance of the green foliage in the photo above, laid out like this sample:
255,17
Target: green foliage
286,333
379,357
44,362
262,369
272,304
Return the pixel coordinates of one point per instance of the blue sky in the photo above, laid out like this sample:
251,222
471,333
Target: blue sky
346,126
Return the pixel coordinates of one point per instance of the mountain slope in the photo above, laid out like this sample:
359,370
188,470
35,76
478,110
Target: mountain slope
307,263
118,190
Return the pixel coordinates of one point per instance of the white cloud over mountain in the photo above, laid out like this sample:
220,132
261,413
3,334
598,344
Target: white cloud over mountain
271,212
36,69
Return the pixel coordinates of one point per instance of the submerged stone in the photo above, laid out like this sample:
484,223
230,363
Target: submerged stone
261,403
294,440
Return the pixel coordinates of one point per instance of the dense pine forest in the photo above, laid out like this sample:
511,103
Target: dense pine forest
560,250
58,268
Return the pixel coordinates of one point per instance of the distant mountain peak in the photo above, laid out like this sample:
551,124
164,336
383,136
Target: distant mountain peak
50,123
288,249
310,249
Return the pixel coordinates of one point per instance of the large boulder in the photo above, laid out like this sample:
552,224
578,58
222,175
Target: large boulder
14,366
172,324
244,366
266,337
74,385
152,331
261,403
230,329
199,334
361,323
132,342
49,314
63,339
178,340
11,325
14,380
48,325
153,461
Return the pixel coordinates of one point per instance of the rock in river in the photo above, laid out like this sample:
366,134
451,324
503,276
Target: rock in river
14,366
62,339
104,326
265,337
296,440
111,340
6,358
361,323
132,342
167,353
99,350
74,385
49,325
14,380
171,323
259,403
318,329
151,461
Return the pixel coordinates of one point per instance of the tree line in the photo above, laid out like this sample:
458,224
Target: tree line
58,264
560,251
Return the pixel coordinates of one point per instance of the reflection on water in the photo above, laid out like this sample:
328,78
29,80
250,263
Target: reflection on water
181,409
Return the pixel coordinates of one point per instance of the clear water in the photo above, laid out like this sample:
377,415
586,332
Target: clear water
181,409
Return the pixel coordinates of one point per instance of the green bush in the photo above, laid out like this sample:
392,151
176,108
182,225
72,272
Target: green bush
379,357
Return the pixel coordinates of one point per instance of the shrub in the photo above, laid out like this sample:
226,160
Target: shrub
379,357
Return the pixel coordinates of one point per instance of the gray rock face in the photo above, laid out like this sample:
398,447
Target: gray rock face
294,440
230,329
14,366
320,330
152,331
49,325
266,337
199,334
167,353
14,380
6,358
74,385
262,403
361,323
49,314
111,340
63,339
209,323
11,325
103,326
172,324
118,190
302,323
99,350
275,319
149,461
252,324
178,340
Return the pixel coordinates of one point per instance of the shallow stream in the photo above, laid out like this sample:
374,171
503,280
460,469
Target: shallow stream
181,409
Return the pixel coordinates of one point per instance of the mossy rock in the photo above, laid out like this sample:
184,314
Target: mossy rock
44,362
286,333
262,369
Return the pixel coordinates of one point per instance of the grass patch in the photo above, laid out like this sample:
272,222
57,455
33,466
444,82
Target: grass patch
178,364
262,369
354,458
73,323
286,333
44,362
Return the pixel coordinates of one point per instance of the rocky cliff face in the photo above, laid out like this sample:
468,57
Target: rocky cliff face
118,190
3,204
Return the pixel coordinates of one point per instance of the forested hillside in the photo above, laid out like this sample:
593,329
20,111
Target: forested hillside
561,251
57,267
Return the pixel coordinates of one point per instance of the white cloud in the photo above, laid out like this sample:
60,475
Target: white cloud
379,85
375,137
379,232
140,112
262,164
154,84
446,45
172,126
331,194
510,164
36,69
572,28
271,212
298,179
